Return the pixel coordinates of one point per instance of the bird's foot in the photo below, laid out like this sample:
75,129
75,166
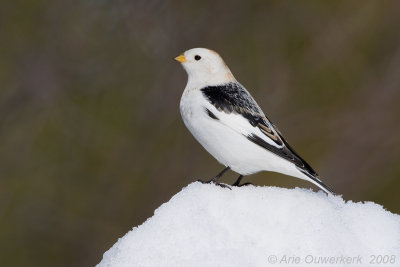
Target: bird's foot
239,179
213,182
224,185
240,185
206,182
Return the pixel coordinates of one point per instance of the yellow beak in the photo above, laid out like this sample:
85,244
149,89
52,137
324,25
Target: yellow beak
180,58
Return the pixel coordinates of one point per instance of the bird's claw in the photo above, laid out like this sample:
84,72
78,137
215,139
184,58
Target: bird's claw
204,182
240,185
212,182
224,186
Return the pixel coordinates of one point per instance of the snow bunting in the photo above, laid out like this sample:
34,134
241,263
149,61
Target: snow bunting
226,120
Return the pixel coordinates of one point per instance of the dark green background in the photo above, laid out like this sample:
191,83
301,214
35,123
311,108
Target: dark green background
90,132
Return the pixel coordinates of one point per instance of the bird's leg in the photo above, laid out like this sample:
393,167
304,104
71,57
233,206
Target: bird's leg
216,178
219,175
237,183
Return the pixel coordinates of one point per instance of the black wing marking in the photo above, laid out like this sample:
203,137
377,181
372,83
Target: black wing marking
233,98
300,163
288,153
285,152
210,114
265,127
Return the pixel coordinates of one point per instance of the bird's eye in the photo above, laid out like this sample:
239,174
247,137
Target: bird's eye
197,57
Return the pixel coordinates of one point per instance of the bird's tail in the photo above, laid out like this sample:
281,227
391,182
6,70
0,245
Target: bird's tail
315,180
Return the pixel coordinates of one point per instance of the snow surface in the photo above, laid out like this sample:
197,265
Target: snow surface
206,225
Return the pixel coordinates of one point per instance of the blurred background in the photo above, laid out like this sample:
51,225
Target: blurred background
90,131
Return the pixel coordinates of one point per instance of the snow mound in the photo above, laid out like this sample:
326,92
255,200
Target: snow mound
206,225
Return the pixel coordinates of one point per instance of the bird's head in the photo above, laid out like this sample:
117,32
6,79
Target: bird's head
205,66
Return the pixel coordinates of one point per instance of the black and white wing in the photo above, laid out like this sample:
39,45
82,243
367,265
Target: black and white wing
233,98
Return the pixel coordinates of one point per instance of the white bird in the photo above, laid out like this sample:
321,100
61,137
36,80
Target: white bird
226,120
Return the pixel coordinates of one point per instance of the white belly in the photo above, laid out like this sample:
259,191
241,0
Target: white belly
228,146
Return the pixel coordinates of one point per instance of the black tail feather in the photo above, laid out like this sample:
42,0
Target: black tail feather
318,182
